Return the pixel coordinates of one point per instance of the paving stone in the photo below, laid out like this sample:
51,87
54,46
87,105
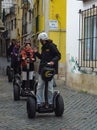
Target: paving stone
80,110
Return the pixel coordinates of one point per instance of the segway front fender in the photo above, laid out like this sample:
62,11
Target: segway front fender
31,107
56,94
59,109
32,94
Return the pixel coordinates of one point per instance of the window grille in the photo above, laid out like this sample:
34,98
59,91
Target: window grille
88,37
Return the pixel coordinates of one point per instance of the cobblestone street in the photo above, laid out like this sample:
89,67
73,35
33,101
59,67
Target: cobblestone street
48,65
80,111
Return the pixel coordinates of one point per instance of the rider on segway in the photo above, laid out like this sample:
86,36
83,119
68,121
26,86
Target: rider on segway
24,84
46,99
16,62
49,54
28,58
9,69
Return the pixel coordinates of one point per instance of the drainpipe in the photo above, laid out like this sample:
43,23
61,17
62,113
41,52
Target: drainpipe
59,22
46,15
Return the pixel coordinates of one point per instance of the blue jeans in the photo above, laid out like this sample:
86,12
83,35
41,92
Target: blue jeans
40,91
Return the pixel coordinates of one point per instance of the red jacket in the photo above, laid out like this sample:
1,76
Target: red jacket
24,56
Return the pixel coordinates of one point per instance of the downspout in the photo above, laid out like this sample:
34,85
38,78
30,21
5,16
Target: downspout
57,17
46,15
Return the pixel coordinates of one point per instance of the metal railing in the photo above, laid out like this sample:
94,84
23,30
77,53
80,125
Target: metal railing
88,38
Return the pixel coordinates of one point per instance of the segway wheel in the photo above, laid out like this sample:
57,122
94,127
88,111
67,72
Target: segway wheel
31,107
59,106
7,70
10,76
16,92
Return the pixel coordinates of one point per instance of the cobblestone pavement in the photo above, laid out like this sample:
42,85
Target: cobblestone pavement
80,111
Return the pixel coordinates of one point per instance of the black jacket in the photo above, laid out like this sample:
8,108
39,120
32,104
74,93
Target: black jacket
49,52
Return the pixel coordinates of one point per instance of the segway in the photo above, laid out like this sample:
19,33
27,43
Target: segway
10,73
7,69
58,103
18,83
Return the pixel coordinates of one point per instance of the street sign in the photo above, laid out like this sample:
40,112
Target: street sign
53,24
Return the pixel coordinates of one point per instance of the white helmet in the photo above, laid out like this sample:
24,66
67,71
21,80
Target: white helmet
43,36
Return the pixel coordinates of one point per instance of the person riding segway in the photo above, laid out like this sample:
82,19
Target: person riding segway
46,100
9,69
16,62
24,85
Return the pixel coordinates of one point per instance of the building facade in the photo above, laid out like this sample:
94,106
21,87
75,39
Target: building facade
9,20
19,13
81,45
50,16
2,48
10,25
27,21
24,20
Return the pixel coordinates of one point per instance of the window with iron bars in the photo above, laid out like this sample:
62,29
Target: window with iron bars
88,37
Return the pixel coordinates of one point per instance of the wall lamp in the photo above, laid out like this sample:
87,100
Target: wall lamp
57,16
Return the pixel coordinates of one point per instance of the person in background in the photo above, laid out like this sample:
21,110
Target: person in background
49,54
8,54
23,46
10,51
15,57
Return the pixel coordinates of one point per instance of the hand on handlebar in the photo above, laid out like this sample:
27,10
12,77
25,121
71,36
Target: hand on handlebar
35,50
23,58
50,63
33,59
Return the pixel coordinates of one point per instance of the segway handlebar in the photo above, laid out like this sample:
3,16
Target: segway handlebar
47,64
28,59
47,71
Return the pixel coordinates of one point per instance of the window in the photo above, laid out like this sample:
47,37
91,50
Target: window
11,24
15,23
18,10
30,16
88,38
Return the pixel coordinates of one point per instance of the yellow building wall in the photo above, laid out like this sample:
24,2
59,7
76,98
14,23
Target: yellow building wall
59,38
41,17
57,11
41,23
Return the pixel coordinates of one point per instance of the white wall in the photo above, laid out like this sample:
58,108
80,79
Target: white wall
74,77
13,34
6,4
73,7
